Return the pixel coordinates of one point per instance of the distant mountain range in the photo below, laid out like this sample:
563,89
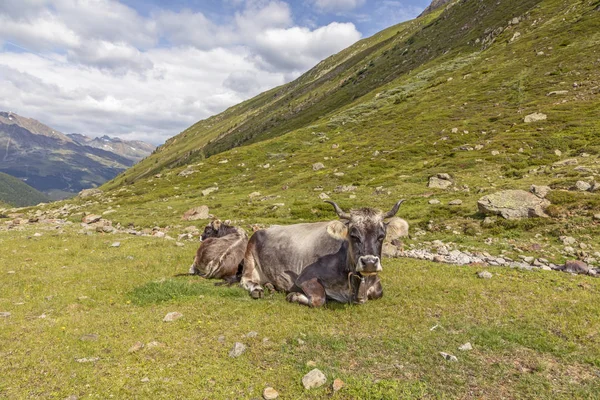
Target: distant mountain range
61,165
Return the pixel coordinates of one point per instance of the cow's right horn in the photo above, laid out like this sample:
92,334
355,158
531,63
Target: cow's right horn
394,210
338,210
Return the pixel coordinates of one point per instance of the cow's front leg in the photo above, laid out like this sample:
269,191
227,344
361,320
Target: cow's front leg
313,296
375,291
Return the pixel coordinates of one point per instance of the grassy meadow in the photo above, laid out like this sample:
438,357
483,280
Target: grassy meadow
75,298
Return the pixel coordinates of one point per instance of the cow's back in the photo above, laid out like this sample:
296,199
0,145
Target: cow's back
289,248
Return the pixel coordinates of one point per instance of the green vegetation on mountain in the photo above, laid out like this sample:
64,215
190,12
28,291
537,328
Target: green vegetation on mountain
16,193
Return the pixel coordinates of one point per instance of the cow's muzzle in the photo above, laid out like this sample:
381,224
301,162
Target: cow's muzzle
368,265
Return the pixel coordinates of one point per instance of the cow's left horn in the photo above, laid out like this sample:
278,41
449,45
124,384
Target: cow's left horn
394,210
339,211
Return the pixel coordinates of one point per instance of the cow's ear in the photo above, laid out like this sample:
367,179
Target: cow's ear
216,224
337,229
396,227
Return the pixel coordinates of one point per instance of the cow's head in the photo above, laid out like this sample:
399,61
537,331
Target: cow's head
211,230
365,230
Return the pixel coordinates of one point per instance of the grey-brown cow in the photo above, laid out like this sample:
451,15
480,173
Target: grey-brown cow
221,254
338,260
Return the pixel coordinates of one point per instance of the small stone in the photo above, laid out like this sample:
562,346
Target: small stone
558,152
90,337
465,347
154,344
583,186
485,275
311,363
179,244
434,201
535,117
116,244
314,379
5,314
448,357
172,316
318,166
209,190
495,152
37,234
137,346
337,384
323,196
254,195
540,191
456,202
596,217
251,334
237,350
567,240
576,267
196,213
87,359
270,394
145,379
221,339
91,218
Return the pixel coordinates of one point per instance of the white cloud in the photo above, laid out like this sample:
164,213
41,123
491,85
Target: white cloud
338,5
97,67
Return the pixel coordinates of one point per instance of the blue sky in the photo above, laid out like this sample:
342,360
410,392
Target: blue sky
147,69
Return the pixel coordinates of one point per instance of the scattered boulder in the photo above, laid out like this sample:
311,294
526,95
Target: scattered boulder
434,201
314,379
576,267
337,385
90,192
237,350
513,204
582,186
196,213
465,347
209,190
270,394
535,117
323,196
456,202
116,244
137,346
448,357
540,191
254,195
172,316
91,218
440,181
485,275
317,166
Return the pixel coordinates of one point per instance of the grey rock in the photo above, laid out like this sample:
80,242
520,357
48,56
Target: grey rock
344,189
251,334
540,190
172,316
485,275
87,359
448,357
568,161
465,347
567,240
209,190
576,267
237,350
434,201
91,218
456,202
89,193
196,213
513,204
535,117
436,182
116,244
582,186
323,196
270,394
5,314
314,379
318,166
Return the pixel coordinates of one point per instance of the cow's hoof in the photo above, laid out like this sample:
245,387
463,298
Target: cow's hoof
257,293
292,297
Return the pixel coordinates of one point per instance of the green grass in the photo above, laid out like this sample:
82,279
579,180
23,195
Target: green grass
523,347
17,193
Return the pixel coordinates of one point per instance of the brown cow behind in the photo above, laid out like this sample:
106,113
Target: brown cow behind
221,254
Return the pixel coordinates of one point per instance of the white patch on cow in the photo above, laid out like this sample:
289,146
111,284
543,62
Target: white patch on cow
192,270
396,228
337,229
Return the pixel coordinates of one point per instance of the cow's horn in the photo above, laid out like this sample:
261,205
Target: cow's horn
394,210
338,210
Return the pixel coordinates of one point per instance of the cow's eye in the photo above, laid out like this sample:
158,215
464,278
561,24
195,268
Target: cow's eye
381,237
356,238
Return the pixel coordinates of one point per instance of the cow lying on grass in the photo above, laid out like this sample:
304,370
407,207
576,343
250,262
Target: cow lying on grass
336,260
221,254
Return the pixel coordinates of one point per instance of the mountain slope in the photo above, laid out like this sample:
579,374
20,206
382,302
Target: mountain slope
462,112
16,193
134,150
51,161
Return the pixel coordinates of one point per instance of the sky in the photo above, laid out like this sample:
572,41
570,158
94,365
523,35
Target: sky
148,69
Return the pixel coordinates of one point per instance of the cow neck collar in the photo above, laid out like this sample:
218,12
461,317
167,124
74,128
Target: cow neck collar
358,292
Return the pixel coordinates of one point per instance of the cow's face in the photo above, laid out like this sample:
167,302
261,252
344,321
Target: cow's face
211,230
365,230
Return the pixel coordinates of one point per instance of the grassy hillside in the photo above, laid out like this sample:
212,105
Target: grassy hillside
15,192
